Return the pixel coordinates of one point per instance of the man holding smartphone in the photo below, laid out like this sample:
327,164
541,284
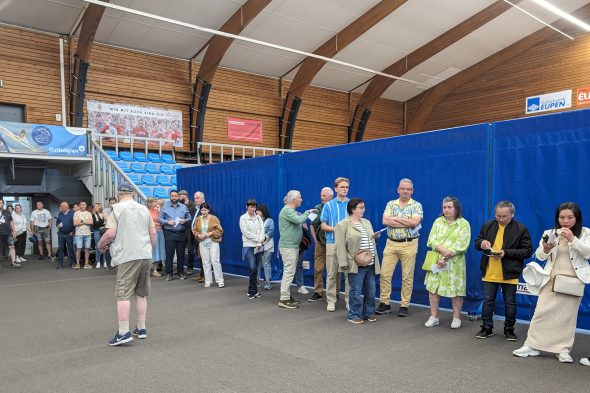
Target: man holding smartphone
505,244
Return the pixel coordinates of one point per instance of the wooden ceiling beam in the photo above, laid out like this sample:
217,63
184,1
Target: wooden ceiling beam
435,95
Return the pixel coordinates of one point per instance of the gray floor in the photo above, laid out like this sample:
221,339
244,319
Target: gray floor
54,326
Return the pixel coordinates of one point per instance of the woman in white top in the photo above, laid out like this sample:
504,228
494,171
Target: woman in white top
20,232
566,250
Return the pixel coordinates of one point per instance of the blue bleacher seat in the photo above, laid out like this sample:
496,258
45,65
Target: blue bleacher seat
137,167
146,190
163,180
154,157
139,156
148,180
166,169
152,168
134,177
112,154
173,179
160,192
167,158
124,166
125,156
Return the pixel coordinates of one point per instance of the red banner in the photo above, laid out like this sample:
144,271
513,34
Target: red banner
244,130
583,96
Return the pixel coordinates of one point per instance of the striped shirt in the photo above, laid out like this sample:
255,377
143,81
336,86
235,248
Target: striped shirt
333,212
366,243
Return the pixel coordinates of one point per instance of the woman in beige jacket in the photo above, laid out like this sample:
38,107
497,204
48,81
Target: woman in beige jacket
207,229
353,234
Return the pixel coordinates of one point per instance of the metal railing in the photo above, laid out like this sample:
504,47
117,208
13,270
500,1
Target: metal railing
234,152
106,176
133,140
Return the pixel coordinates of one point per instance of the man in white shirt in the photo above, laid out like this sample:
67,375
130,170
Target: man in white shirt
83,235
41,227
131,234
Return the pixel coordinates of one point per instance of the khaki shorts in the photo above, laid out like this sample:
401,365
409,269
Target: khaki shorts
133,278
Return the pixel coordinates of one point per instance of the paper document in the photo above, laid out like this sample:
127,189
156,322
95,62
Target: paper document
415,231
436,269
312,216
176,221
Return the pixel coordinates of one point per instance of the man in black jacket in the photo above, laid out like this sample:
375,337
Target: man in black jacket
190,239
505,244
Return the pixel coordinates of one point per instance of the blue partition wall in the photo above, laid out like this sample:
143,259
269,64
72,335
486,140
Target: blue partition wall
534,162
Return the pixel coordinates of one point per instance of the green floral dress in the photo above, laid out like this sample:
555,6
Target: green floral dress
454,237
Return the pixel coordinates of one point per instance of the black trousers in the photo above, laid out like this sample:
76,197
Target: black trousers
21,242
175,242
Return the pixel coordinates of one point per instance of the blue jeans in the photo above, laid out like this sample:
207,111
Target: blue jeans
253,262
266,265
299,271
362,283
490,290
96,236
65,240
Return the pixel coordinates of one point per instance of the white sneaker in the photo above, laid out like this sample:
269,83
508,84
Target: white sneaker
302,290
456,324
585,361
207,284
19,260
220,285
432,322
22,259
564,357
525,351
331,307
97,265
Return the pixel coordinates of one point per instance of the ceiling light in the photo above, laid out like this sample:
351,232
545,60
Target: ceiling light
562,14
537,19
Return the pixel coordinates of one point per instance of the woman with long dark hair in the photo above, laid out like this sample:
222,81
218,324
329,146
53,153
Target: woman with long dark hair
566,250
20,233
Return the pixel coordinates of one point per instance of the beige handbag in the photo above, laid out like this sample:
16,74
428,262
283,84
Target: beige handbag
568,285
363,257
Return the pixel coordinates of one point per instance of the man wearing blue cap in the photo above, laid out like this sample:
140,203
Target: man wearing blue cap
131,234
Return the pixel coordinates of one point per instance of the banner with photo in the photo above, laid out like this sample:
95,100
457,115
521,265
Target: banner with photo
138,121
25,138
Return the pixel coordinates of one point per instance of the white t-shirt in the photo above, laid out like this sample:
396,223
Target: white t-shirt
132,222
83,230
40,218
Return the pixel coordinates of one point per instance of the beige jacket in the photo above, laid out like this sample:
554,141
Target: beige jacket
348,241
214,226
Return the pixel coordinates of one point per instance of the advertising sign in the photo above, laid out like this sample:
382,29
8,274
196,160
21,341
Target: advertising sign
549,102
583,96
24,138
244,130
138,121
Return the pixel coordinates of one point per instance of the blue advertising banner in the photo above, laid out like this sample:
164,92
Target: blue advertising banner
25,138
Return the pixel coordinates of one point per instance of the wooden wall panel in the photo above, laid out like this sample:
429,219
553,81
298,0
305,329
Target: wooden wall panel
500,94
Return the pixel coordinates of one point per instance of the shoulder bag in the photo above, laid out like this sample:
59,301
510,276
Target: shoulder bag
363,258
568,285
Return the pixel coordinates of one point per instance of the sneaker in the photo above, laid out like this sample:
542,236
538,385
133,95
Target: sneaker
456,323
153,274
181,276
189,271
200,279
251,297
22,259
51,257
331,307
120,339
97,266
564,357
169,277
403,312
18,260
15,265
525,351
485,332
585,361
268,286
288,304
220,285
432,322
87,266
77,266
356,321
207,284
383,309
509,334
140,333
371,318
316,297
302,290
294,301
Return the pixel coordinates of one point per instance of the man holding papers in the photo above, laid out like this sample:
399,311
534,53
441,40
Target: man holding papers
403,217
505,244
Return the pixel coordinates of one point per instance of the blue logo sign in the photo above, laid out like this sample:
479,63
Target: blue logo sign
533,104
41,135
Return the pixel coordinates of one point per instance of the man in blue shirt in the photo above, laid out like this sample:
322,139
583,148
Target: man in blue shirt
65,234
174,217
333,212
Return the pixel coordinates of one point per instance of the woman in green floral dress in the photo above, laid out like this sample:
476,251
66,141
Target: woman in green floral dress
449,237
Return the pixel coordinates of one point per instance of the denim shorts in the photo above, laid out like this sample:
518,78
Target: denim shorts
82,241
